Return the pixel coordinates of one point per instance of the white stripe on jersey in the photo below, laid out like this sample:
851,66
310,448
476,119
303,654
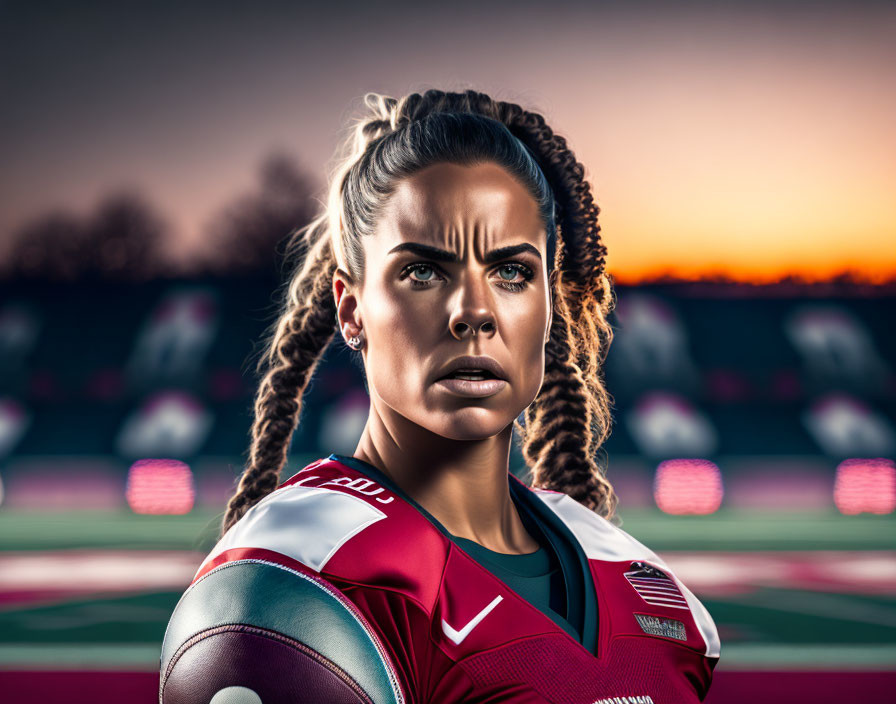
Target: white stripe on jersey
308,524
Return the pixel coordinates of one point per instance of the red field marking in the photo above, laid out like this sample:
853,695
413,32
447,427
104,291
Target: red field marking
39,687
797,687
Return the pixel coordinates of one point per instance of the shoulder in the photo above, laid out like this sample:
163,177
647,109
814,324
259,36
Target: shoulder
284,594
600,539
304,522
603,541
334,521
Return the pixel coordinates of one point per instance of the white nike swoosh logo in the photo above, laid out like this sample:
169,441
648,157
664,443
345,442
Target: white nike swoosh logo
458,636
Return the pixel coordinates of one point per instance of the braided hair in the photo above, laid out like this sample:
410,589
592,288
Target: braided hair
566,424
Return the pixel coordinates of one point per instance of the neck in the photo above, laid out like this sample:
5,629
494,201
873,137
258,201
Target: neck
463,484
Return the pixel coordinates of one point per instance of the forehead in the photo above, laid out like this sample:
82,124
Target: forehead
445,204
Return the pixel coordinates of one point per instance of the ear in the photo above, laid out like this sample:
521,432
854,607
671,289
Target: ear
347,313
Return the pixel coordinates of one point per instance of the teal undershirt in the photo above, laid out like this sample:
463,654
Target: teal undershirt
537,576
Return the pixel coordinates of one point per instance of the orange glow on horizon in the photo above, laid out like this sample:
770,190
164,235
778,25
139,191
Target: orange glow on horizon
744,276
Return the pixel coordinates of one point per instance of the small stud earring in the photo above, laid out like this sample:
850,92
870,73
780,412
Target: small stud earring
353,342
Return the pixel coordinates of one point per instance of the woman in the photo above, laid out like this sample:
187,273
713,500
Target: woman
419,569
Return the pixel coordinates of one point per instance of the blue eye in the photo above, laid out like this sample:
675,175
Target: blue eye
418,267
512,269
516,268
420,282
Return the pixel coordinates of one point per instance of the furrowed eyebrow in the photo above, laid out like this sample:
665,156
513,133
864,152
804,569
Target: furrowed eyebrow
444,255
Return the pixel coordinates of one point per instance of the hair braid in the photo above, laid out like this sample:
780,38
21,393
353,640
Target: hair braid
573,407
302,334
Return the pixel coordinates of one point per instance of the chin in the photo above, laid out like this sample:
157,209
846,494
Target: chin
469,424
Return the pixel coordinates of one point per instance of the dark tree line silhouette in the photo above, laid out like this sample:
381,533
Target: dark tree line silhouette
126,237
122,237
247,235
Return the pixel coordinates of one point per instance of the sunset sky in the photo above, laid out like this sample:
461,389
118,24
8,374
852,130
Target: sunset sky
749,139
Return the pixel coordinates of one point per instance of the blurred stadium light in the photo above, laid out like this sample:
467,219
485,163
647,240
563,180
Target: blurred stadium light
865,485
688,486
159,486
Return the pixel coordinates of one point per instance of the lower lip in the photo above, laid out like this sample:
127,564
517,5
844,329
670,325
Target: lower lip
474,389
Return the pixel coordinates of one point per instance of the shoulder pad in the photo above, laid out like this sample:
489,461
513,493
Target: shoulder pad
331,520
305,523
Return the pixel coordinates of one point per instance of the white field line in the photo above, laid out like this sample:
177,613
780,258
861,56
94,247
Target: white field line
838,571
86,570
708,574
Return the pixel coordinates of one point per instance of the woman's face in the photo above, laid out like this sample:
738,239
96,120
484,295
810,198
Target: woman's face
435,275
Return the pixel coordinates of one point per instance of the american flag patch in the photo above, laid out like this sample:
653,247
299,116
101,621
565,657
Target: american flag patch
654,586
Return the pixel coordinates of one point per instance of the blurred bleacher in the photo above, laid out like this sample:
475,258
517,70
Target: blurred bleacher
774,392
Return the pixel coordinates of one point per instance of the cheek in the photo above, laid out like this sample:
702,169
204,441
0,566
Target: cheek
528,349
401,337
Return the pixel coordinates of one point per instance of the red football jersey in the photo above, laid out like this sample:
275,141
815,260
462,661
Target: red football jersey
448,630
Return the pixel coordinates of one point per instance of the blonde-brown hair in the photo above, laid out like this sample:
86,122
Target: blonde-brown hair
570,418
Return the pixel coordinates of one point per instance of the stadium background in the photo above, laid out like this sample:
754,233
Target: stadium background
755,397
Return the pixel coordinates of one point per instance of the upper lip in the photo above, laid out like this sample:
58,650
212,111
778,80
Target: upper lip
470,362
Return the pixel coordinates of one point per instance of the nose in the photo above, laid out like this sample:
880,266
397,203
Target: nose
473,312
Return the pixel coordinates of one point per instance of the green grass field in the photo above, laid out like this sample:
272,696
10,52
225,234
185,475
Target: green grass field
767,627
724,530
